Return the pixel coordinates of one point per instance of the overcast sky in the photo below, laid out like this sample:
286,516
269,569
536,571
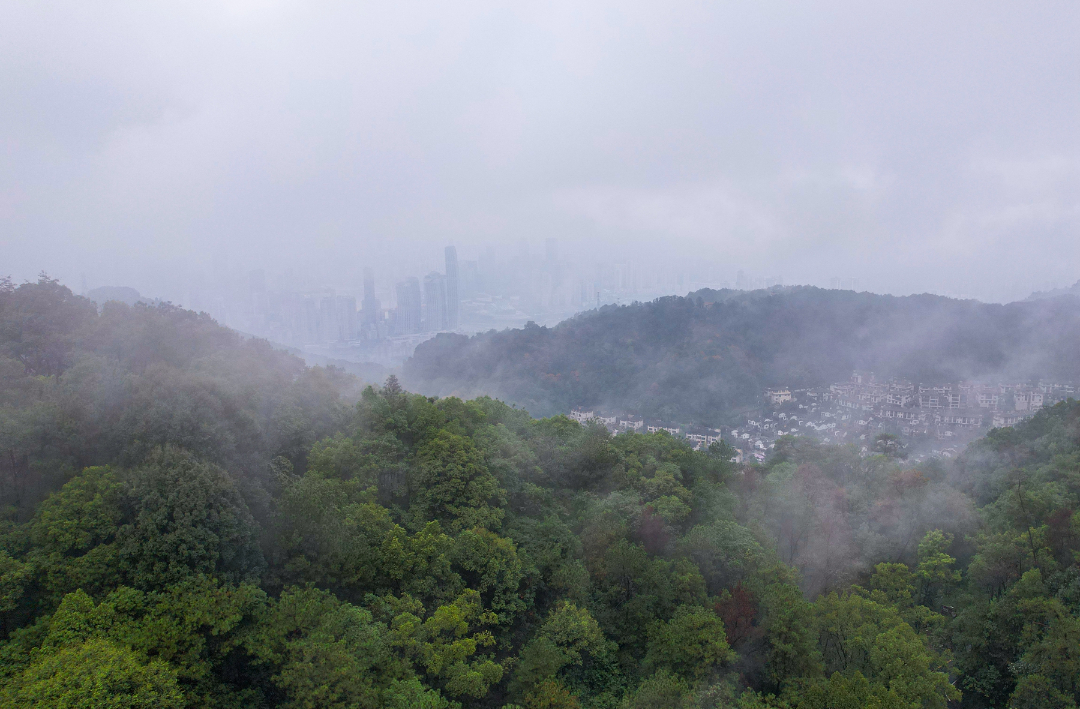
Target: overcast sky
921,146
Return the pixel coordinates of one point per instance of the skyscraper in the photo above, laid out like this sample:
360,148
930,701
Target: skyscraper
408,306
435,310
370,303
453,302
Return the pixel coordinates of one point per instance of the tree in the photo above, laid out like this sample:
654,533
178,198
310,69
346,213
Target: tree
692,644
889,446
392,388
662,690
188,518
490,564
1037,692
40,323
790,635
194,627
551,694
14,576
445,645
454,486
73,535
332,535
1053,660
327,654
859,635
935,574
95,674
570,636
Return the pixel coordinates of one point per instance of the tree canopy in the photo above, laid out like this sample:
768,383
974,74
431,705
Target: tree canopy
192,519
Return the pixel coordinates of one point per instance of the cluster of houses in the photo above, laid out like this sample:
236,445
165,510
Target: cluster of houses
937,418
700,438
748,442
932,420
957,405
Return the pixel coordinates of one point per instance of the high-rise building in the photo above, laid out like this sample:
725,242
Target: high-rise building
408,306
371,305
435,310
336,319
551,250
453,302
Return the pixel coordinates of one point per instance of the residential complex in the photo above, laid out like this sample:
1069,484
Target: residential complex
931,420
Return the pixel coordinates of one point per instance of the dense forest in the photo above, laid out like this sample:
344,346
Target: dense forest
702,358
192,519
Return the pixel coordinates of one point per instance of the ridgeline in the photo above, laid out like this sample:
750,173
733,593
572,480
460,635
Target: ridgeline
703,357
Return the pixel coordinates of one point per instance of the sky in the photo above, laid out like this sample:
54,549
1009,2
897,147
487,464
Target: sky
917,146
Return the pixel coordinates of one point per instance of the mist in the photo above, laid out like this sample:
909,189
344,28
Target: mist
566,355
914,147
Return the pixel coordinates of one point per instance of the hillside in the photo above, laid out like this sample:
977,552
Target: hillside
1073,290
699,358
79,387
192,519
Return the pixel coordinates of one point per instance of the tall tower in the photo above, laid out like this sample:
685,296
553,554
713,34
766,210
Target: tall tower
408,306
370,305
435,310
452,299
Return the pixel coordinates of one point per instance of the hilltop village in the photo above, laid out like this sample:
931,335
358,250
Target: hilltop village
926,420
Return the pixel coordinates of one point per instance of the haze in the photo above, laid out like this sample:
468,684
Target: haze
915,146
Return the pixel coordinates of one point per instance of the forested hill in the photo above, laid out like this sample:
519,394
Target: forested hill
81,388
694,358
194,520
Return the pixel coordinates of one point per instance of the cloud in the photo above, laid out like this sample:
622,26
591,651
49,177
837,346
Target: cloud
901,144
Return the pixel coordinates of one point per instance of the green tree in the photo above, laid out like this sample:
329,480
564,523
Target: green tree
1037,692
790,635
446,645
454,485
188,518
662,690
73,535
325,654
14,576
692,644
95,674
490,564
857,634
550,694
935,573
194,627
333,535
39,324
570,636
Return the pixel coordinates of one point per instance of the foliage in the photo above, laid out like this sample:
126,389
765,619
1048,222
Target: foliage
196,520
94,675
707,357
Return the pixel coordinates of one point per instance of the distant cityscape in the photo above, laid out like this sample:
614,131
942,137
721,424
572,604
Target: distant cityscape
929,420
380,315
387,313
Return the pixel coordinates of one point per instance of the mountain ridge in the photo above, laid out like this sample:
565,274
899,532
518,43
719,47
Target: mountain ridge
703,356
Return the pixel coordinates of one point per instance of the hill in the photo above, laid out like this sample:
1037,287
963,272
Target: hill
1073,290
701,357
79,387
193,519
